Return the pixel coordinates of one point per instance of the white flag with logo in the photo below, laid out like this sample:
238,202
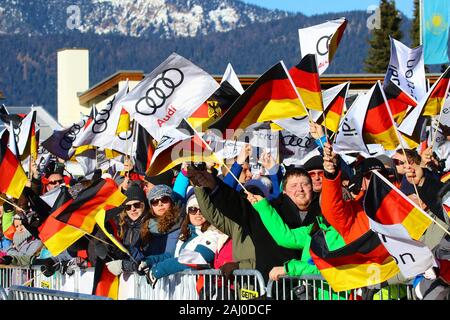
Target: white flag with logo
231,77
102,130
299,126
407,69
322,40
349,138
60,143
294,149
412,257
169,94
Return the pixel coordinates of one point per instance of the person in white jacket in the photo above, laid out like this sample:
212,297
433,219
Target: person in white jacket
196,247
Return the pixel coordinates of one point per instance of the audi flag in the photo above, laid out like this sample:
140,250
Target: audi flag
170,93
101,132
322,40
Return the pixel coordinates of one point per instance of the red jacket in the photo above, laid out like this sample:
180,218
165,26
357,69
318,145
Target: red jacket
347,217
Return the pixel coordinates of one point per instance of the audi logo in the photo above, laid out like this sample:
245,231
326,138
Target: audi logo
70,135
322,47
162,89
100,121
294,141
16,131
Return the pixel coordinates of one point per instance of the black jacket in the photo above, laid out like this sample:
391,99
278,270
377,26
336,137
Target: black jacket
238,208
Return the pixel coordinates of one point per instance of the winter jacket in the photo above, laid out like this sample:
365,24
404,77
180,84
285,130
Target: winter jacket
26,248
243,250
237,208
200,247
347,217
163,242
299,238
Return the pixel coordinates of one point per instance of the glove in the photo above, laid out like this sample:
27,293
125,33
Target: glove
430,274
143,268
68,267
227,270
115,267
6,260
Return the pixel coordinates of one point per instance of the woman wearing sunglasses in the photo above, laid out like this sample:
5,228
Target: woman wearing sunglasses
165,220
133,230
197,245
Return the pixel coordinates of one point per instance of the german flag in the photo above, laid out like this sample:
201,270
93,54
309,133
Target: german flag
334,111
378,124
385,204
176,149
436,99
306,79
145,148
271,97
214,107
13,177
75,217
361,263
105,283
398,101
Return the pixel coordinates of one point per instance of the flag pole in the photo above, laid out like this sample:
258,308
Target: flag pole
409,200
11,203
220,160
399,138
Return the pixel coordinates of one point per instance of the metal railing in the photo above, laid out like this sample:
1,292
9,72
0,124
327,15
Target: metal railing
3,294
10,276
27,293
194,285
314,287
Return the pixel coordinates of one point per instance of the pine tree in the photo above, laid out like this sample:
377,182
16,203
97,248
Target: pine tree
379,51
415,26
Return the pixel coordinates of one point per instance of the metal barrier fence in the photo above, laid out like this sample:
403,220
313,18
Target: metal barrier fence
195,285
3,294
187,285
314,287
27,293
10,276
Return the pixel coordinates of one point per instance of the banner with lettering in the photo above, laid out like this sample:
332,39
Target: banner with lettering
407,69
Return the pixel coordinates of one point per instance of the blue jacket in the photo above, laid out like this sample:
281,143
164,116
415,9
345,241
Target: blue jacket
202,244
162,242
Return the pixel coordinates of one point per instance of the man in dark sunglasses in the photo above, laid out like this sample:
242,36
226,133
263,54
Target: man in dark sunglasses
54,180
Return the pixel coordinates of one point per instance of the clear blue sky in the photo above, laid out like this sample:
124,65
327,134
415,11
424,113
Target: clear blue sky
310,7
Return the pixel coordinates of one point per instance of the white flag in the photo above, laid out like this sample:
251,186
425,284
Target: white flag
294,149
411,256
322,40
51,196
407,69
349,138
102,130
231,77
60,143
23,131
169,94
298,126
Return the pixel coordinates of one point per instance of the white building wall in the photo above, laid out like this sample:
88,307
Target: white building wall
73,77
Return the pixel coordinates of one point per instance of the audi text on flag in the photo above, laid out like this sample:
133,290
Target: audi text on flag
170,93
322,40
407,70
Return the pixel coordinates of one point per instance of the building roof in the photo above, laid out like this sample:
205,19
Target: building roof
109,85
44,120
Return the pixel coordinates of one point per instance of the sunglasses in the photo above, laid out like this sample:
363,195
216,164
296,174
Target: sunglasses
136,205
56,182
398,162
164,200
314,174
194,210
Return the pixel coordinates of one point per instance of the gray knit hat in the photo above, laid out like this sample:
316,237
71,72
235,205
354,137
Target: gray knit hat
160,191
